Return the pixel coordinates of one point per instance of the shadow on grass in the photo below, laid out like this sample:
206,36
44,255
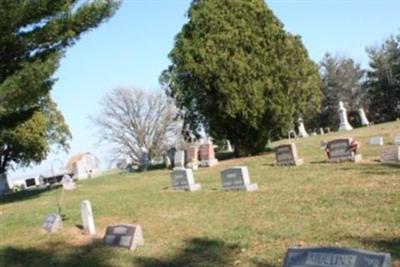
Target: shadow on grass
388,245
58,254
198,252
22,195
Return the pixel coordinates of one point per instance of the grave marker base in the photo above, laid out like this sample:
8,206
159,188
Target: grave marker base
191,188
246,187
208,163
297,162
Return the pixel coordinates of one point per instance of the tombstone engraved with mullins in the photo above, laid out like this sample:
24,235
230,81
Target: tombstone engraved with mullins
184,180
287,155
376,140
128,236
335,257
237,178
391,155
342,150
52,223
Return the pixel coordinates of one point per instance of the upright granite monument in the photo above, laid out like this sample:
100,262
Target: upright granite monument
207,156
237,178
287,155
183,179
344,149
344,123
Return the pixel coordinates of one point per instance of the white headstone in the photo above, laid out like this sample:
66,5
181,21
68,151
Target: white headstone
184,180
321,131
363,117
376,140
67,182
302,131
52,223
391,155
87,218
397,140
229,146
237,178
179,159
344,123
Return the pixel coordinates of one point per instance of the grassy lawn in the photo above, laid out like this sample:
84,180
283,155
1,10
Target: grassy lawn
350,205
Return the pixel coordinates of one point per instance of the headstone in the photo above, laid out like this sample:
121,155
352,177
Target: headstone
144,159
335,257
207,156
184,180
376,140
344,123
292,134
52,223
179,159
321,131
363,117
192,154
287,155
341,150
167,161
87,218
397,140
391,155
67,182
124,235
237,178
229,147
302,131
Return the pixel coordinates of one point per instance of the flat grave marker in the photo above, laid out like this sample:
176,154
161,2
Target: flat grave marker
341,150
237,178
376,141
128,236
287,155
335,257
391,155
52,223
184,180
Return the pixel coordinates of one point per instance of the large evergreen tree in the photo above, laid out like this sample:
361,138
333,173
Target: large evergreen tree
384,80
33,38
238,74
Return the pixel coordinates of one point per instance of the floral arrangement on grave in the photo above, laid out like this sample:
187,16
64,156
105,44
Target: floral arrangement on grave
193,164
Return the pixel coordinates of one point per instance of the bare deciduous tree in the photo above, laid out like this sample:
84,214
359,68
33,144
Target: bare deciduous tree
132,119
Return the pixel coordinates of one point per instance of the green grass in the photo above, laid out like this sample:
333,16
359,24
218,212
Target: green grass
350,205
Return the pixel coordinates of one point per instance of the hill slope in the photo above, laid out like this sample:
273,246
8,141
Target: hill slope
352,205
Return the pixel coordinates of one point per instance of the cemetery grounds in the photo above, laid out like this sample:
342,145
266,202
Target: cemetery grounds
315,204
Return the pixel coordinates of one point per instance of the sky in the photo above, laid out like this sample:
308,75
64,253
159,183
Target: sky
131,50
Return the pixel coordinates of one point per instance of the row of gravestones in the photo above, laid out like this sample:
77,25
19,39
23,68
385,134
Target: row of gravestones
378,140
202,155
122,235
338,150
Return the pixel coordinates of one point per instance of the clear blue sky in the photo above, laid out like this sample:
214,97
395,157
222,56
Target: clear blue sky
131,50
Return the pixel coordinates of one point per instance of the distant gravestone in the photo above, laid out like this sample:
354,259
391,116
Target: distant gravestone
68,183
321,131
52,223
87,218
391,155
179,159
397,140
192,154
335,257
207,155
376,140
340,150
184,180
237,178
287,155
124,235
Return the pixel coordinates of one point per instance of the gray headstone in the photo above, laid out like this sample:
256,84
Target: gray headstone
67,182
128,236
335,257
339,150
179,159
376,140
52,223
184,180
287,155
391,155
237,178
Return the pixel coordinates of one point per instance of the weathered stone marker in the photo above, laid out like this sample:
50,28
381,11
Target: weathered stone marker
179,159
335,257
184,180
52,223
391,155
237,178
87,218
67,182
376,141
341,150
207,156
287,155
128,236
344,123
